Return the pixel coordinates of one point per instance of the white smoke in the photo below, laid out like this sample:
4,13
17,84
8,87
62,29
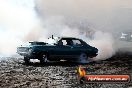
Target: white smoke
16,21
70,18
26,20
105,44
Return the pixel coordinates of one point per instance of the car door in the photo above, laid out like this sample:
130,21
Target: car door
60,50
76,48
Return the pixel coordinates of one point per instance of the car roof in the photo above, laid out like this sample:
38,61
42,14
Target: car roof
69,38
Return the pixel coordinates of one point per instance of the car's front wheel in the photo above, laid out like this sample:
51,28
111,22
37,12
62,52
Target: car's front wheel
44,58
27,60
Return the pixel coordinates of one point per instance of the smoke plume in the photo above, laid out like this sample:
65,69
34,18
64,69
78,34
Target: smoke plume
96,22
78,19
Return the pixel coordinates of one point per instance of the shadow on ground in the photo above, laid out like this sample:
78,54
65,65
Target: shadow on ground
63,64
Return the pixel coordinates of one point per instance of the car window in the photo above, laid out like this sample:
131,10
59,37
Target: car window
64,42
76,42
70,42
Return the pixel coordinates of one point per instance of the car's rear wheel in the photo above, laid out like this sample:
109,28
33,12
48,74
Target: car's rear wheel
44,58
83,58
27,60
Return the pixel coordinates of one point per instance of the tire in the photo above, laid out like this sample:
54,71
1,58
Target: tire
27,60
44,58
83,58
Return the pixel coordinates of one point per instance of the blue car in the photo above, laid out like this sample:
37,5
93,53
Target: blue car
64,48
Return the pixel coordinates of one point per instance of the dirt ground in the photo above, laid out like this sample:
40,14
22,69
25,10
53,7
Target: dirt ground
15,74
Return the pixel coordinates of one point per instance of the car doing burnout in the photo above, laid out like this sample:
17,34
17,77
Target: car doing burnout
65,48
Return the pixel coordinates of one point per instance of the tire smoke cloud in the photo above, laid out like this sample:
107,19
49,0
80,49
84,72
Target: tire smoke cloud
79,19
36,20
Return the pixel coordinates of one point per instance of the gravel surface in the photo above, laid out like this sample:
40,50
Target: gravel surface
15,74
